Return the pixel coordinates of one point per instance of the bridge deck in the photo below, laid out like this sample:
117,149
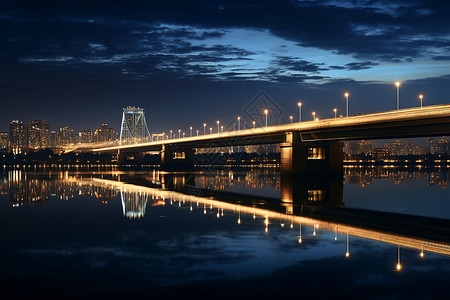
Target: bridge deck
412,122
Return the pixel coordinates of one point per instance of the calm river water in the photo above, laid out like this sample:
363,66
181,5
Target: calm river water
376,233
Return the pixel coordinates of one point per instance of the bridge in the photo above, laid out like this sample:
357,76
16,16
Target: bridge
313,147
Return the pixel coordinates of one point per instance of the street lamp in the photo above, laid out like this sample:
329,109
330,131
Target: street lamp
335,111
190,130
171,134
346,97
266,112
210,130
197,132
397,84
254,124
421,99
218,122
290,117
204,128
179,133
245,122
299,111
239,123
221,128
314,116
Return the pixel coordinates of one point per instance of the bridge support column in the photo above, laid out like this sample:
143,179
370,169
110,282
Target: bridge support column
177,159
130,158
310,158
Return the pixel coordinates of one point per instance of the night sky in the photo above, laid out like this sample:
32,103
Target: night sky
78,63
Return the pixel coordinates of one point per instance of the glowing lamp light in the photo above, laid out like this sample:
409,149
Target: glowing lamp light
399,266
347,254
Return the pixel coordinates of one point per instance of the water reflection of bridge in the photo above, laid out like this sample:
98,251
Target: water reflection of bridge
304,201
421,233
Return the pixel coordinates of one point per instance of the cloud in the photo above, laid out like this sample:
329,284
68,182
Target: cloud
360,65
190,38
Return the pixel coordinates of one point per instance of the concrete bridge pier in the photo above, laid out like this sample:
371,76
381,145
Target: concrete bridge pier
177,159
129,158
310,158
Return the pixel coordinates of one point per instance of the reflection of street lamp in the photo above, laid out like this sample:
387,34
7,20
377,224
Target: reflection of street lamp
421,98
347,254
346,98
266,112
397,84
399,266
299,111
300,236
335,111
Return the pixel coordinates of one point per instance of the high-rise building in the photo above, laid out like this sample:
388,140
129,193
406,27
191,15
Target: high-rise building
105,134
38,134
64,136
17,137
86,136
3,141
52,139
437,145
400,147
419,150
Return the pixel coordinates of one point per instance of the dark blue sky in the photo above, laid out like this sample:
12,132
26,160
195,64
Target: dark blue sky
78,63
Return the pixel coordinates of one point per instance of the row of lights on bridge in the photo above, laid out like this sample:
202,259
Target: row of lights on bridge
291,118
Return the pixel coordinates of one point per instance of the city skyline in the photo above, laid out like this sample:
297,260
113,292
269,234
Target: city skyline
190,63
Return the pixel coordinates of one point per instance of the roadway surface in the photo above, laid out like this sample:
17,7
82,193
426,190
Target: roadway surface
404,123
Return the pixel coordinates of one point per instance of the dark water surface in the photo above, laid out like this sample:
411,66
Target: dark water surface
221,234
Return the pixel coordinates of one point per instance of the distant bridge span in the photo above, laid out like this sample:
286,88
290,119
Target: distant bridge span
296,139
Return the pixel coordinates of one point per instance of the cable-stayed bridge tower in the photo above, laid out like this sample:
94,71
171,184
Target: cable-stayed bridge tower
134,126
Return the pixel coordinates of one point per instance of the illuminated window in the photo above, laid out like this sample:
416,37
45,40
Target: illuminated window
316,153
315,195
179,155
